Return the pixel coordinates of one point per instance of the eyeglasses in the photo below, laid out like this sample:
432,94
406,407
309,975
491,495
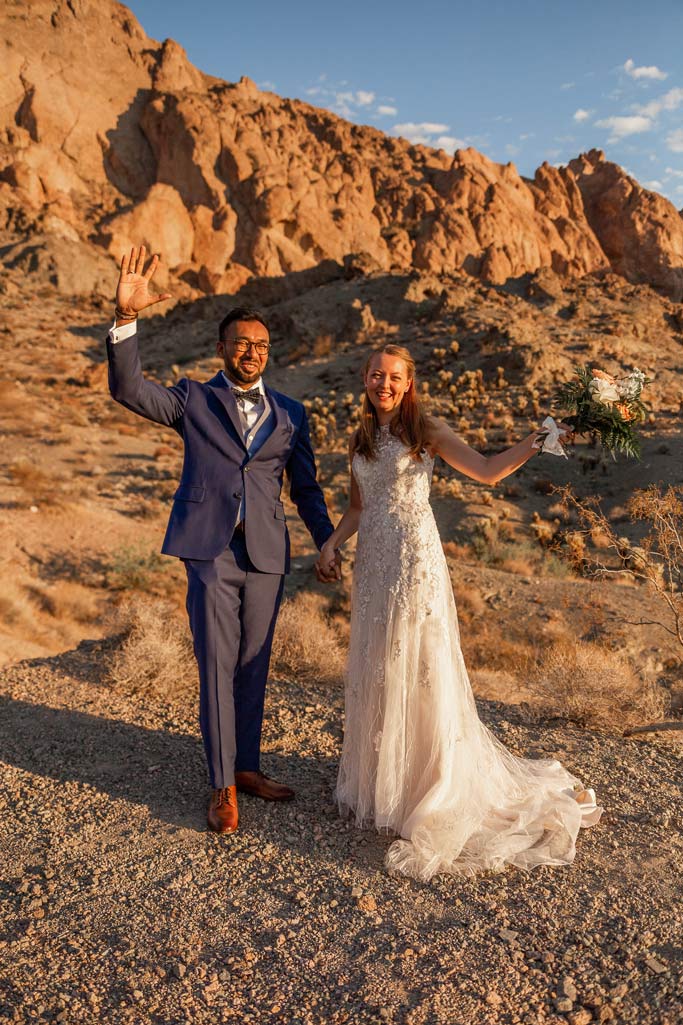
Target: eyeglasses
240,345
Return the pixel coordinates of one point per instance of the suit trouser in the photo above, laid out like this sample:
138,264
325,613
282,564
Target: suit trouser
232,609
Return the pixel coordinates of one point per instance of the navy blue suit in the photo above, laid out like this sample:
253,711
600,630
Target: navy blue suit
234,579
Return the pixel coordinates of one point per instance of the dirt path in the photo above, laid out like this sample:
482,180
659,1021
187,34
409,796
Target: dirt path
119,907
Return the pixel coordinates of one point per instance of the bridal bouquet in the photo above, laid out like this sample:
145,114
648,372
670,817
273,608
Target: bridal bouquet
598,403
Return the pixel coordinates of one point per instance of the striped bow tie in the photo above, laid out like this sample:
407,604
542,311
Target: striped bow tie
253,395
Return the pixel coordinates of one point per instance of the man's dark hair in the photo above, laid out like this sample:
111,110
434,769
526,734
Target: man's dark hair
240,313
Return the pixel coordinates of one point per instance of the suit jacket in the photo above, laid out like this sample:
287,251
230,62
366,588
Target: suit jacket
219,470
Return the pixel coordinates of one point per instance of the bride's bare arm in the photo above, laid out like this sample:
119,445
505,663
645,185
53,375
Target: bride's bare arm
443,441
346,528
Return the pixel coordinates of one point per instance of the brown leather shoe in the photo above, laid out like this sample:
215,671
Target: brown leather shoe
259,785
222,814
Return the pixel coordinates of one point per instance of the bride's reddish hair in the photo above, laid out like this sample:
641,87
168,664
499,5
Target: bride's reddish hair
410,422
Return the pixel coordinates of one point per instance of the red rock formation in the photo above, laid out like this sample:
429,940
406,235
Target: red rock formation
640,232
108,137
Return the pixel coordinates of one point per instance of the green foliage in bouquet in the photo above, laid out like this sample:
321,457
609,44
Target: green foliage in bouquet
609,407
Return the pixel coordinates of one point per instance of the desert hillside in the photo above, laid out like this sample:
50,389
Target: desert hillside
231,183
119,907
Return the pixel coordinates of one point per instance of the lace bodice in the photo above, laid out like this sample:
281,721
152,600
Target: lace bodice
393,483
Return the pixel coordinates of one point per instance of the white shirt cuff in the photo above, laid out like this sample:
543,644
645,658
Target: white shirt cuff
119,334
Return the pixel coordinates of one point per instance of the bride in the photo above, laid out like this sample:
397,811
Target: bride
416,758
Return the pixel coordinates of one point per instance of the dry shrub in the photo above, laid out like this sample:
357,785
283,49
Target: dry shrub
71,600
14,405
306,645
520,564
469,601
15,604
501,685
38,486
156,655
594,686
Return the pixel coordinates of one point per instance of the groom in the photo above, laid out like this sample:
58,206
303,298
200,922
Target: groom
227,523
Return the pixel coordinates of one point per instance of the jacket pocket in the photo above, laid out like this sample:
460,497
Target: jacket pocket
190,493
280,512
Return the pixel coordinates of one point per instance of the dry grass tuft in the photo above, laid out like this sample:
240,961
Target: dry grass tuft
594,687
307,645
38,486
156,655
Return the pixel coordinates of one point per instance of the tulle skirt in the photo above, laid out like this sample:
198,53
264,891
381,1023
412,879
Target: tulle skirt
416,758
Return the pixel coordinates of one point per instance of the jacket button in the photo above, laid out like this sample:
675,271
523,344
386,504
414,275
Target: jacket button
246,469
237,494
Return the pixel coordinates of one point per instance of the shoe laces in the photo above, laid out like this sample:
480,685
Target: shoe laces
225,796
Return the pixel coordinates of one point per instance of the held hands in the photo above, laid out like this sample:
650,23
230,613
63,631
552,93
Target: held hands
132,291
328,566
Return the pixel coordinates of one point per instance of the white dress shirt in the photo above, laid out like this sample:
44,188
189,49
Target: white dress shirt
251,411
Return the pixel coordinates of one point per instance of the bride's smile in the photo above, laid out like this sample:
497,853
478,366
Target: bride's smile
386,382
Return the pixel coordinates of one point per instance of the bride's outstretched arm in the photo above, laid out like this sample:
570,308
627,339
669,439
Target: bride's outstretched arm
443,441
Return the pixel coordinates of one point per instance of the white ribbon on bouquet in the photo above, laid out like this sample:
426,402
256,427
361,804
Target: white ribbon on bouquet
550,442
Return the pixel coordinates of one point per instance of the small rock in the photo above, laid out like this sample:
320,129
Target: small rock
567,988
367,903
563,1004
655,965
493,998
581,1017
509,935
356,892
179,970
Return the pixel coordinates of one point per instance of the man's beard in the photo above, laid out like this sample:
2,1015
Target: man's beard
245,376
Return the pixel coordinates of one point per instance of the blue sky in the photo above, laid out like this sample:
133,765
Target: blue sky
522,80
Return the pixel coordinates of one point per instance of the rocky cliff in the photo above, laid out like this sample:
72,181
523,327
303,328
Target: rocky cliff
108,137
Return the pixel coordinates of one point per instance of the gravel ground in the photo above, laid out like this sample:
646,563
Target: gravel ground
119,907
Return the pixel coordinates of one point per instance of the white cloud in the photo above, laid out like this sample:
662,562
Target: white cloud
674,140
450,142
669,101
430,133
408,128
621,126
512,149
337,97
422,132
568,85
385,111
582,115
679,188
674,172
649,71
267,86
654,185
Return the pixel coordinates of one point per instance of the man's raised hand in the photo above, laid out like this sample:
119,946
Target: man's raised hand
132,291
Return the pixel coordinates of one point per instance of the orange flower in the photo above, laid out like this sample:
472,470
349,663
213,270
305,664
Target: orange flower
602,375
626,413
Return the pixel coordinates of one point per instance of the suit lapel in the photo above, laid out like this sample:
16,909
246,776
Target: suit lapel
282,428
222,390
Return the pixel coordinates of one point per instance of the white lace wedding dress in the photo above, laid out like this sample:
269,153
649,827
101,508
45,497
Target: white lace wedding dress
416,758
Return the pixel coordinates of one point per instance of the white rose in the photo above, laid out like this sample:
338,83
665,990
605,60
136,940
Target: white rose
604,391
